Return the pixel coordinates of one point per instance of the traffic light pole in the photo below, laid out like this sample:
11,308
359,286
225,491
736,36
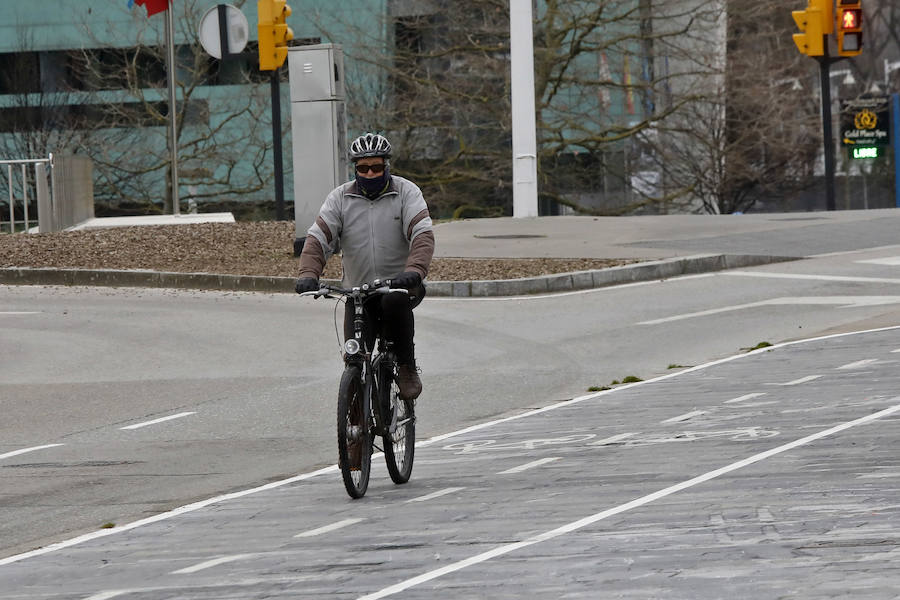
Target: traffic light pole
276,145
827,133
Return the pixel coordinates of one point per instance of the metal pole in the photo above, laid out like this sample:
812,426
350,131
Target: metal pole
173,117
524,136
12,221
895,120
223,31
276,145
25,194
827,134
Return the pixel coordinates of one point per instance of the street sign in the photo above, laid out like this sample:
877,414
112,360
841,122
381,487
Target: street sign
236,29
866,121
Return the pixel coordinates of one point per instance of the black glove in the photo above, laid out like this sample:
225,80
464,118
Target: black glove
407,280
306,284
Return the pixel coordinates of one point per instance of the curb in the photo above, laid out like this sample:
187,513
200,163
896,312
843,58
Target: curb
564,282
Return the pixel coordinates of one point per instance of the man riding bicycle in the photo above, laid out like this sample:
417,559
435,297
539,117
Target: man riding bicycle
380,224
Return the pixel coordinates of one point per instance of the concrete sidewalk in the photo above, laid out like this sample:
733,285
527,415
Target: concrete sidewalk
668,245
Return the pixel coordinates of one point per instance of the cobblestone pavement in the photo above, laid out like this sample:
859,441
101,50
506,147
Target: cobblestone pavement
766,475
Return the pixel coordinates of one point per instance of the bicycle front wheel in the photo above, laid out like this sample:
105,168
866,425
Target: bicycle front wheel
353,433
399,426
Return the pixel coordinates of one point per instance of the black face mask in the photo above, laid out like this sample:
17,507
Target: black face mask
372,187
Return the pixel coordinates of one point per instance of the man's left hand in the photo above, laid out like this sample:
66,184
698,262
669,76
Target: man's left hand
407,280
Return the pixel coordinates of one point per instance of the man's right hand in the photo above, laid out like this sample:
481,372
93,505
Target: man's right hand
306,284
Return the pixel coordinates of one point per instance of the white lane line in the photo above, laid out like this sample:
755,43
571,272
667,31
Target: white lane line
859,363
843,301
590,520
24,450
564,404
436,494
890,261
160,420
18,312
615,439
327,528
530,465
211,563
806,379
684,417
745,397
895,351
813,277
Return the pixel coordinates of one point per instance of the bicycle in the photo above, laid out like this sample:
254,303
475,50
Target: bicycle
370,373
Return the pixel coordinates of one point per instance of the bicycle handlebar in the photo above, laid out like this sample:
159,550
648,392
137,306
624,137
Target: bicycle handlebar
367,289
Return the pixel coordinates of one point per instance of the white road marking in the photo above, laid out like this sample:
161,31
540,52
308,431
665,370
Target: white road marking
895,351
684,417
211,563
806,379
613,439
160,420
859,363
811,277
890,261
530,465
108,594
845,301
18,312
590,520
436,494
887,475
24,450
438,438
327,528
745,397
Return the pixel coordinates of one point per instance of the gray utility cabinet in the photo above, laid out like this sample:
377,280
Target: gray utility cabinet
318,128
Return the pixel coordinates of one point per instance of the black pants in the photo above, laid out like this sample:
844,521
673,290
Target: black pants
391,316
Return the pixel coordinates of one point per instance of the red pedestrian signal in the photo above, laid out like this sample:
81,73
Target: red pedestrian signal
849,27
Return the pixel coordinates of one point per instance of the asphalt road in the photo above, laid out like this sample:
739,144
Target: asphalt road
770,474
245,383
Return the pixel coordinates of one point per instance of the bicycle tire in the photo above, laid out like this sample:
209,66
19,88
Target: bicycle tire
399,423
353,433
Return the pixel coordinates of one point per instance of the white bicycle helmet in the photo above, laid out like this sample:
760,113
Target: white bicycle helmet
370,145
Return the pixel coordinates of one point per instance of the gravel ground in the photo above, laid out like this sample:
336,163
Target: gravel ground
243,248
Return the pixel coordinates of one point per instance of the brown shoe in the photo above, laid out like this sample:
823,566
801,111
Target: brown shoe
408,381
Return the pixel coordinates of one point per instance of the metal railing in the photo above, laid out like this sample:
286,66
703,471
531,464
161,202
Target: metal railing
41,191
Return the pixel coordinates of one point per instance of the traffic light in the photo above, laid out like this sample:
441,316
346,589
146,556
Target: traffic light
274,34
815,22
849,27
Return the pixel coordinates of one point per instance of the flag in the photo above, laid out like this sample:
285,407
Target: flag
604,80
152,6
629,92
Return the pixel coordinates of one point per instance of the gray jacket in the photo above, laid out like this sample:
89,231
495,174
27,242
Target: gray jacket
374,236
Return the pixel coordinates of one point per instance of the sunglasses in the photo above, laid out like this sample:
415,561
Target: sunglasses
363,169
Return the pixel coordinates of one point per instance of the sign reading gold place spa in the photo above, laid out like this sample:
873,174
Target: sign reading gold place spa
866,121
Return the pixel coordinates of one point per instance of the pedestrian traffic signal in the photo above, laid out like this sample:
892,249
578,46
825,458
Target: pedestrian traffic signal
274,33
849,27
815,22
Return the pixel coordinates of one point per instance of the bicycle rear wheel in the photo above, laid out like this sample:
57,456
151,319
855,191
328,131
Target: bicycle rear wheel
399,426
353,433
